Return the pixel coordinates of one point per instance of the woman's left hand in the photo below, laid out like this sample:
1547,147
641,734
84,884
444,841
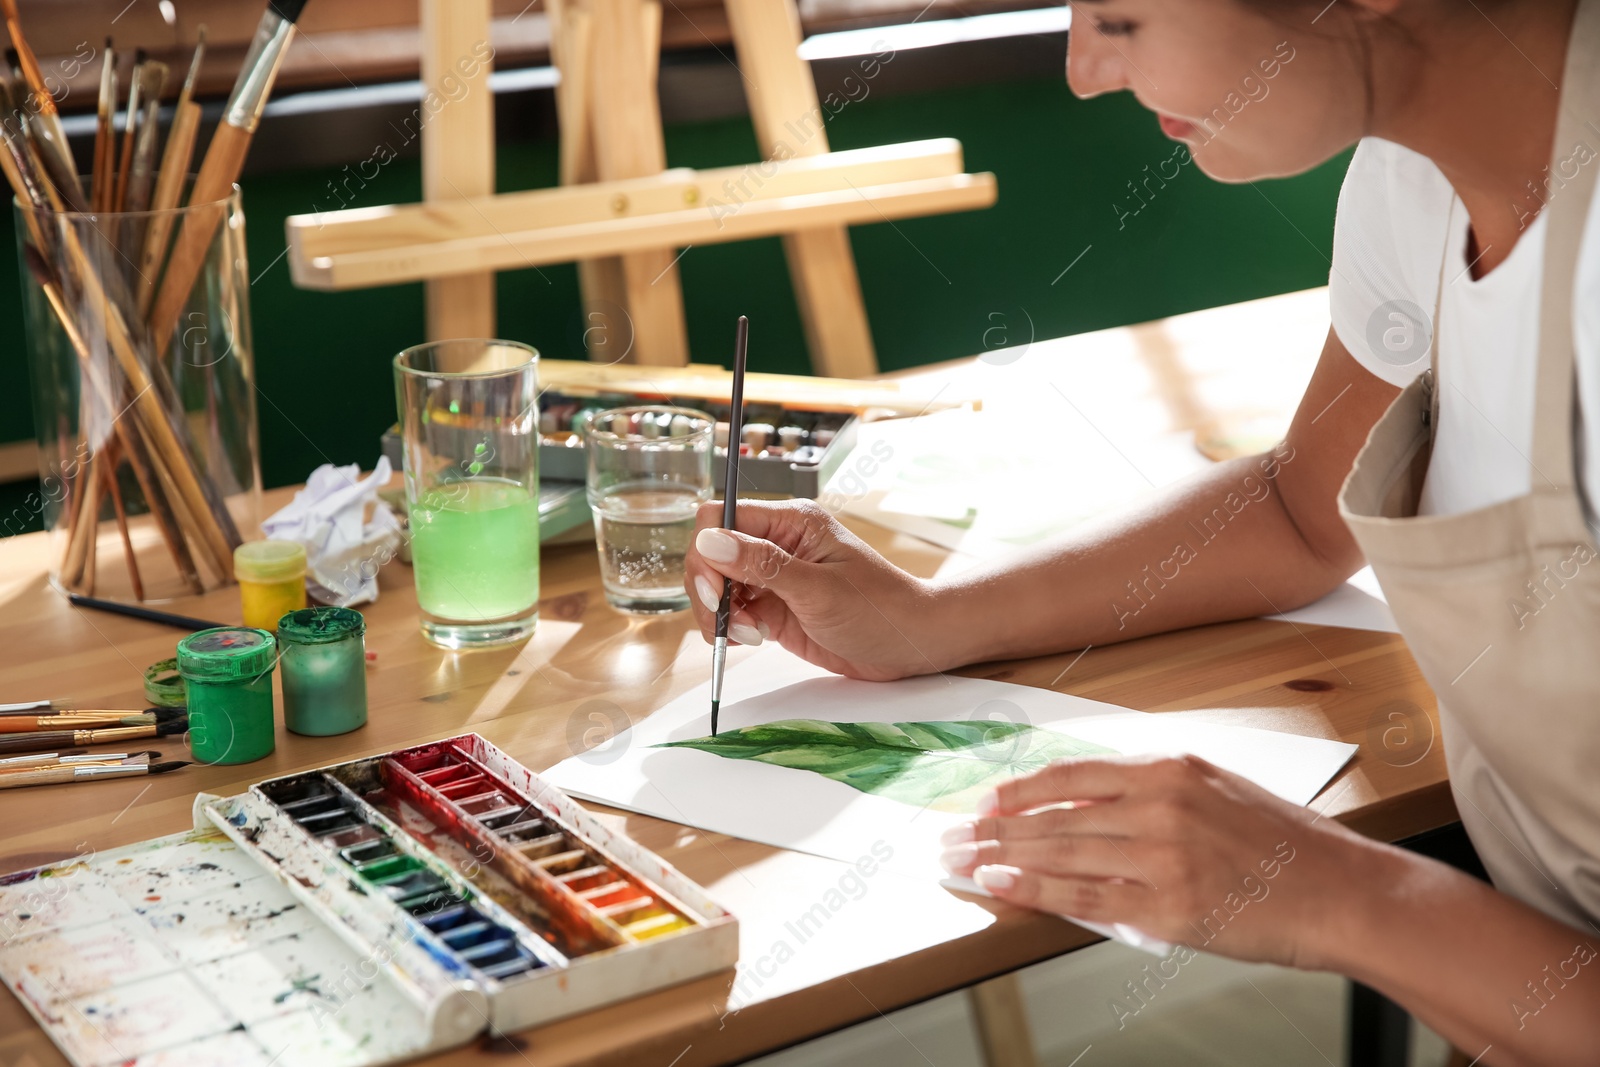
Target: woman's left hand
1172,846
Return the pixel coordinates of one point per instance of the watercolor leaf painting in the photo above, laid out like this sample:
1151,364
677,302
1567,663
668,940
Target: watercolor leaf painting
946,766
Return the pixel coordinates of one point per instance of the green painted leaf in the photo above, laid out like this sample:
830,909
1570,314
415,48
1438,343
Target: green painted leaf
943,765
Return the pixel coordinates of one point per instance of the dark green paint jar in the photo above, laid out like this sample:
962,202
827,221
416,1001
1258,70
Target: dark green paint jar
324,663
227,673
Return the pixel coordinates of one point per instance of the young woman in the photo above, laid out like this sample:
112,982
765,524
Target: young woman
1462,462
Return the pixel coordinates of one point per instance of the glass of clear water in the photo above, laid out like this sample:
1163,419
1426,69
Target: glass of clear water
649,472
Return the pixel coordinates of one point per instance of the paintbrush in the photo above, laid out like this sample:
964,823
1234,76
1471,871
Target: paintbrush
50,739
181,622
119,196
223,160
69,773
104,162
730,501
88,720
25,706
169,180
105,151
42,759
71,755
152,82
75,758
45,120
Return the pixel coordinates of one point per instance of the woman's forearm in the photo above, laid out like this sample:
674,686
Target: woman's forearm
1221,546
1493,976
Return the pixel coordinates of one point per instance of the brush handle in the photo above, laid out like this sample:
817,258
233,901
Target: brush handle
46,740
223,160
79,773
38,742
39,776
25,725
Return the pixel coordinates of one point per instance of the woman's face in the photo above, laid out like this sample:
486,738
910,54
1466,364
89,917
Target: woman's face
1255,91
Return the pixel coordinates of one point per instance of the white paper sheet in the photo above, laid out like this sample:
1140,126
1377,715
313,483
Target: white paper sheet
1357,605
978,483
800,810
1002,490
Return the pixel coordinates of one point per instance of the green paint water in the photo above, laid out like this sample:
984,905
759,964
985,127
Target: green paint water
476,552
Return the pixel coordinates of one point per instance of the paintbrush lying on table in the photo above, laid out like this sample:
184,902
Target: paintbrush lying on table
21,723
46,740
131,767
50,759
74,758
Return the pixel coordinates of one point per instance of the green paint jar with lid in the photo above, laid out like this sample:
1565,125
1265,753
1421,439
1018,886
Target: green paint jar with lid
227,673
324,670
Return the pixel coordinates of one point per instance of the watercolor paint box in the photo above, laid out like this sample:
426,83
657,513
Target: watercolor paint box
359,914
791,451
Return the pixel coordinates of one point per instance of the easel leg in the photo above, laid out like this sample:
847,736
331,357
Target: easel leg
628,144
1001,1018
788,122
458,151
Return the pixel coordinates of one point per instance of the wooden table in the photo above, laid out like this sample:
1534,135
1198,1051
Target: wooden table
899,943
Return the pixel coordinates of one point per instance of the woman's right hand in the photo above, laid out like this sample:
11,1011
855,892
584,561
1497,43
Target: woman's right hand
805,581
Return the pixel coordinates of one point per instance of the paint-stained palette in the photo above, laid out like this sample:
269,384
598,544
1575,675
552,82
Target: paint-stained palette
182,950
361,914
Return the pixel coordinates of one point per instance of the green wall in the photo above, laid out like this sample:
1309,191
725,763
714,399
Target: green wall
936,288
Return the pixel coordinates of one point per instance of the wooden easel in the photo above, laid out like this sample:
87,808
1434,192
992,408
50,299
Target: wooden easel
620,213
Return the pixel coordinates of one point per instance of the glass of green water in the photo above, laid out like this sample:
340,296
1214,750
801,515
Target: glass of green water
469,418
649,472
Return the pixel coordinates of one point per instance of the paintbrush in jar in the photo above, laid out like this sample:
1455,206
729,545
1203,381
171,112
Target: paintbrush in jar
223,161
44,119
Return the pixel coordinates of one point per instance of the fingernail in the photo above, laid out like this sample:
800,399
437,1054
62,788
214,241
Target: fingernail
959,858
995,879
716,545
745,635
959,835
988,804
707,593
766,631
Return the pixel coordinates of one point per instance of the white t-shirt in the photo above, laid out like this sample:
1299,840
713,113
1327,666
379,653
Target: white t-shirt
1387,247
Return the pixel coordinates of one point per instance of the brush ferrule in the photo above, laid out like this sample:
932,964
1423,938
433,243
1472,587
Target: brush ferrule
108,771
719,659
249,95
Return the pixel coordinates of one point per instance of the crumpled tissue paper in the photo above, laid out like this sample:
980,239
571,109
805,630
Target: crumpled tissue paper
343,548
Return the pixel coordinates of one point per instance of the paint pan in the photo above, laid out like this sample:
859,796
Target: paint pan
531,847
390,866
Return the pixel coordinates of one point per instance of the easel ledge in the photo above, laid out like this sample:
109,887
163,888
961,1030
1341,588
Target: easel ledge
702,381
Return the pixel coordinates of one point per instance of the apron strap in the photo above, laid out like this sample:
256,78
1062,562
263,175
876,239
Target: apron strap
1555,406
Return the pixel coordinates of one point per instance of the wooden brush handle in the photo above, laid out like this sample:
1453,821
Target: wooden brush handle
169,190
41,776
224,159
43,741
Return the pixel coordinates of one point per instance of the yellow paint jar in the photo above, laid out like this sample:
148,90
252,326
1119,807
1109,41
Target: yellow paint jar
272,581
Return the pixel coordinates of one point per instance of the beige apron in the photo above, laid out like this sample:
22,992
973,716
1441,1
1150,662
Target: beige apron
1501,606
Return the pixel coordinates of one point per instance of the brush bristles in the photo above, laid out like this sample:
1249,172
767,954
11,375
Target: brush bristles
287,10
163,768
176,726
